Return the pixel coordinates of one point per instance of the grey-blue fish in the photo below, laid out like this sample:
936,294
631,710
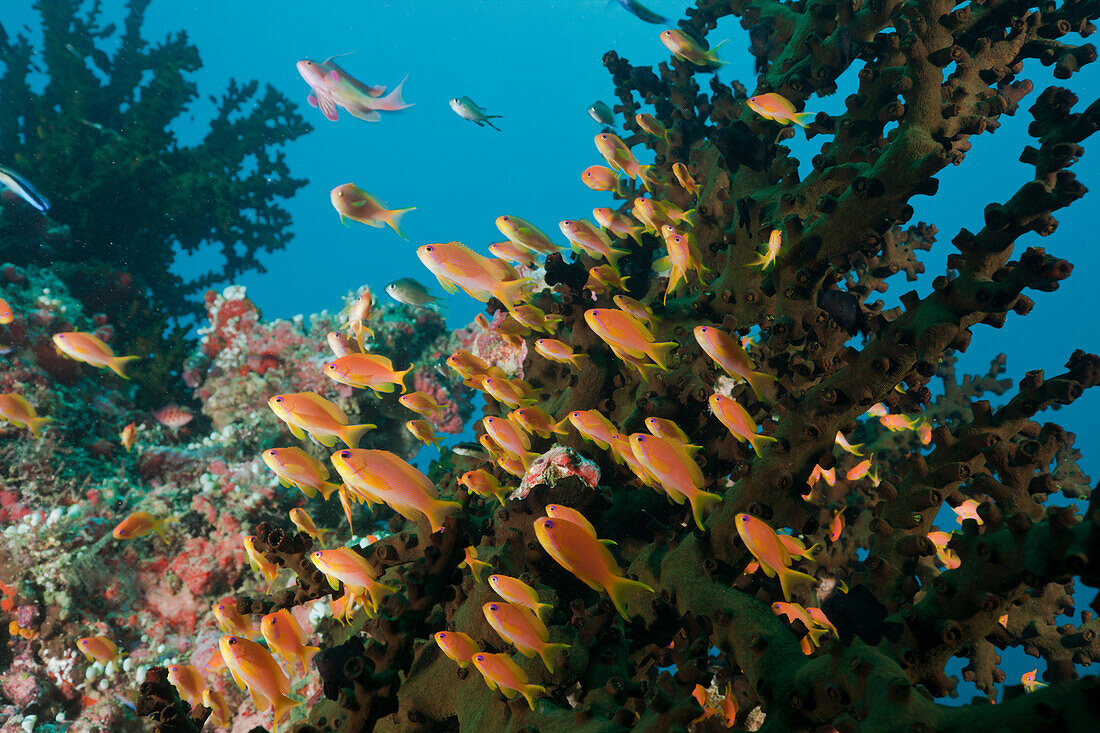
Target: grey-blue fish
467,109
641,12
410,292
600,112
21,187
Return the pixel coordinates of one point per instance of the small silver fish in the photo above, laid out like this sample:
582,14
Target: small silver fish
21,187
410,292
601,113
471,450
467,109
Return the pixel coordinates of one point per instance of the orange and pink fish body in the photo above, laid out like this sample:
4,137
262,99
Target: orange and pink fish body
423,431
483,483
499,671
253,667
590,239
308,412
367,370
97,648
522,629
649,214
775,107
126,437
795,547
625,334
569,514
422,403
459,647
738,421
877,410
523,233
821,474
947,557
354,204
90,349
837,525
679,475
535,318
188,682
296,468
477,567
385,477
687,48
287,638
576,550
620,225
771,251
232,622
139,524
683,177
1029,682
668,429
509,250
517,592
898,423
15,409
863,469
220,711
652,125
599,178
6,314
639,310
619,157
511,437
536,420
624,453
727,352
765,545
361,100
592,425
456,266
924,433
259,563
345,565
968,510
507,392
358,313
339,345
304,522
605,279
843,443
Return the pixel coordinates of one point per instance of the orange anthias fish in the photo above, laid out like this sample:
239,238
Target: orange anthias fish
668,429
728,353
6,315
683,177
579,552
625,334
309,412
90,349
863,469
843,443
422,403
509,250
467,365
287,638
898,423
669,463
619,224
217,704
837,525
304,522
967,510
683,258
295,467
353,203
253,667
345,565
738,421
775,107
765,545
458,646
605,279
687,48
511,437
523,630
338,344
525,234
586,237
188,682
599,178
97,648
231,621
499,670
947,557
367,370
126,437
382,476
569,514
619,157
652,125
358,313
535,318
1029,682
639,310
139,524
477,567
483,483
457,266
592,425
519,593
423,431
20,413
259,562
508,392
766,260
536,420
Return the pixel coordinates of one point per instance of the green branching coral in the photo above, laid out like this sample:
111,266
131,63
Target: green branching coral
98,138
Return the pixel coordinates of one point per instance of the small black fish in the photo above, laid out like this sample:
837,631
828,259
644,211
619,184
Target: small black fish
859,613
744,213
739,145
759,45
843,307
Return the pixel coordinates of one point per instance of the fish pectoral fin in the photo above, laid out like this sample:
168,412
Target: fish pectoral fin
237,678
297,432
447,285
258,699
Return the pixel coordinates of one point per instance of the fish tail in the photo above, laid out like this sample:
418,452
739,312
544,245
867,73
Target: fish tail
351,434
801,118
393,218
509,291
392,101
438,511
787,576
401,379
158,527
647,176
712,55
757,442
306,656
635,234
619,587
700,502
118,364
283,705
613,256
541,609
549,654
757,380
436,442
36,424
326,488
659,352
529,690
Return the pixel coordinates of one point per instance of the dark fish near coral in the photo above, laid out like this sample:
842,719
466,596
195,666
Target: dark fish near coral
641,12
601,113
22,188
843,307
739,145
410,292
859,613
759,45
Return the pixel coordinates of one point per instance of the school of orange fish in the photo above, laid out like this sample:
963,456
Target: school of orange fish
661,459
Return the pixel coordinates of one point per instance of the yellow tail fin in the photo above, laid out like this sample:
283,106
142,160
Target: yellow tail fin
788,576
438,511
757,380
699,502
618,589
118,364
393,218
549,654
351,434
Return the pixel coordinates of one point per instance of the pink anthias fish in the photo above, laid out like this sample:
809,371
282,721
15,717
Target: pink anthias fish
333,87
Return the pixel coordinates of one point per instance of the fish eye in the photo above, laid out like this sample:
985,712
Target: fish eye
492,606
330,366
278,399
548,524
479,657
232,641
428,249
345,454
